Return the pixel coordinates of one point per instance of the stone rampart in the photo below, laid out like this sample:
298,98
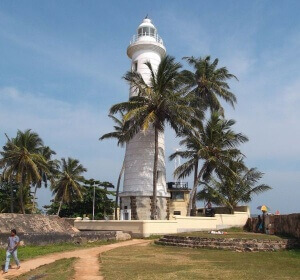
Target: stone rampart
234,244
34,229
55,238
25,223
285,225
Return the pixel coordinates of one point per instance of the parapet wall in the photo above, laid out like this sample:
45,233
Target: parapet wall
145,228
286,225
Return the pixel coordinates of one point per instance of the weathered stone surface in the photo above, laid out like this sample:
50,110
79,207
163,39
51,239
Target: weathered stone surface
42,230
52,238
34,223
234,244
122,236
287,225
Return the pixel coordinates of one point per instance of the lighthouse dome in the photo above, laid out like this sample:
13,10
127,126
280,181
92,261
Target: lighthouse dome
146,37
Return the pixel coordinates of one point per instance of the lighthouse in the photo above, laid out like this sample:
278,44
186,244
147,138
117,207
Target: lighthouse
135,199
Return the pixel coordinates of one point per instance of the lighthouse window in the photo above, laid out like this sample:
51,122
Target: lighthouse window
152,32
146,31
177,195
140,31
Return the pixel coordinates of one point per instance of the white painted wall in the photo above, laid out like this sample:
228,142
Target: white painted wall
146,228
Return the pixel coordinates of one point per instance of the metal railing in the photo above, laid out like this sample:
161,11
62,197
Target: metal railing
177,185
136,37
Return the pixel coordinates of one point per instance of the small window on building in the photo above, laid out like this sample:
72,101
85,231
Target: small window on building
134,66
177,195
177,213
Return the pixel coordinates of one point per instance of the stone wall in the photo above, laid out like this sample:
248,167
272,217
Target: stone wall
55,238
34,229
34,223
286,225
234,244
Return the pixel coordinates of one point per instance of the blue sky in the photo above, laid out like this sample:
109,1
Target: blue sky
61,64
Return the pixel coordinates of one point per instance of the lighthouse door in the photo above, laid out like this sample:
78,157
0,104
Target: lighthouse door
126,214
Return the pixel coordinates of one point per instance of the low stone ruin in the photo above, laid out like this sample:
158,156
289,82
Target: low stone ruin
233,244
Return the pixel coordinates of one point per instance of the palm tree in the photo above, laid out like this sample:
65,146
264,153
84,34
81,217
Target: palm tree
208,82
233,187
68,186
52,165
215,144
161,101
22,161
119,134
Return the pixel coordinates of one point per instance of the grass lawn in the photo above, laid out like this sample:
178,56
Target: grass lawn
30,251
155,262
59,270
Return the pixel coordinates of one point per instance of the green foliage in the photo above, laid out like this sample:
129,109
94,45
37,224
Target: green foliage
22,162
154,104
68,186
208,83
214,143
233,184
80,207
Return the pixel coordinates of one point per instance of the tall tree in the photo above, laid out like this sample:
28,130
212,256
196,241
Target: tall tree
52,165
21,162
208,83
156,103
215,145
120,134
230,188
68,186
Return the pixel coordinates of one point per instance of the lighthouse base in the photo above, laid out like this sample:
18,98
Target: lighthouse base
139,208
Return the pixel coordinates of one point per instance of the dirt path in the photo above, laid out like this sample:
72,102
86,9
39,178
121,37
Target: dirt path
86,267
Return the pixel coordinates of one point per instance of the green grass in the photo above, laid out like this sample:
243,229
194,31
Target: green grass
59,270
155,262
32,251
232,233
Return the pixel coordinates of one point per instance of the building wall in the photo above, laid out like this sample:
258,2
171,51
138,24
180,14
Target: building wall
146,228
179,205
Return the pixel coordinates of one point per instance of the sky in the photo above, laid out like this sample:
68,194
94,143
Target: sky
62,62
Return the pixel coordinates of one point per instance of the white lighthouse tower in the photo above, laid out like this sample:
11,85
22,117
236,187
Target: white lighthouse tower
135,199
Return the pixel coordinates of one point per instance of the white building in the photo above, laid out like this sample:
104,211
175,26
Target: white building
135,199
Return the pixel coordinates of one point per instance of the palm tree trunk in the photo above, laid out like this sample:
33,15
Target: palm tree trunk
154,197
194,206
33,199
11,198
59,208
194,190
118,189
21,199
